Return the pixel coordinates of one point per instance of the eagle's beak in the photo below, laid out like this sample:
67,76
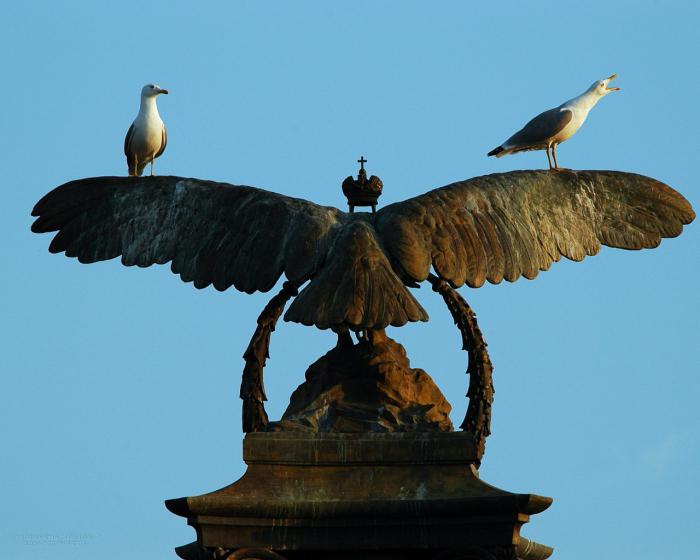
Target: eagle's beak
608,80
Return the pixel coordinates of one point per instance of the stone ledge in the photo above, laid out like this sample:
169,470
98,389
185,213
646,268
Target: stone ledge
298,448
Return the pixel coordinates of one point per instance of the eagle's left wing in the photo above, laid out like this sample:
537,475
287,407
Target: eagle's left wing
515,224
214,233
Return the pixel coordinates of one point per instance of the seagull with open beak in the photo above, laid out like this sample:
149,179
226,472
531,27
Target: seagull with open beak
146,138
551,128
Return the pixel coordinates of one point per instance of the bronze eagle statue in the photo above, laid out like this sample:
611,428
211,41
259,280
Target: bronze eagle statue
354,270
358,266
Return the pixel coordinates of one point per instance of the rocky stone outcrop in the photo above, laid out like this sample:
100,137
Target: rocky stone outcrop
366,387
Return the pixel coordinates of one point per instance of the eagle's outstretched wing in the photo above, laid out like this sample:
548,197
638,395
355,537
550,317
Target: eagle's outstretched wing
213,233
512,224
226,235
486,228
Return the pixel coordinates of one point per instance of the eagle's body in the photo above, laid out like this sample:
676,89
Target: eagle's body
146,138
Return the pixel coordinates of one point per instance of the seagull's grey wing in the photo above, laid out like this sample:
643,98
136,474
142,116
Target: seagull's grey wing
536,134
163,143
512,224
127,139
127,145
213,233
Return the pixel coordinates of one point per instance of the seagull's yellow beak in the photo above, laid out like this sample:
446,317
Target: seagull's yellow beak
165,91
608,80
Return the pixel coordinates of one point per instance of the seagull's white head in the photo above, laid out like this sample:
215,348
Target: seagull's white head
601,88
152,90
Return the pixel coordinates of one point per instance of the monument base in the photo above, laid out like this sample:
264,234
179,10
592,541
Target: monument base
351,496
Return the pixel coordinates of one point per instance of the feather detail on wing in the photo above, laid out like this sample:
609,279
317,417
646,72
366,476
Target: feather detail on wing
356,287
213,233
127,146
486,228
512,224
537,133
163,144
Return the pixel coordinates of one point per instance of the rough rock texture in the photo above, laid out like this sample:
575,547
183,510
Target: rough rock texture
366,387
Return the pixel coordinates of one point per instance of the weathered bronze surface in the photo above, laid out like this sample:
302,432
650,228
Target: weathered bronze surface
364,463
362,191
255,356
357,266
479,368
358,493
366,387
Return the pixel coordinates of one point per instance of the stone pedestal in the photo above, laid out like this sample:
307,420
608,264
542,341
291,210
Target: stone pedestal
352,496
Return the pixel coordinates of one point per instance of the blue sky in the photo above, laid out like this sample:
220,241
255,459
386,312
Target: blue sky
120,386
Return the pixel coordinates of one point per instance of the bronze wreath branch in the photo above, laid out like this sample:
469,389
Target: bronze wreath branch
258,351
479,367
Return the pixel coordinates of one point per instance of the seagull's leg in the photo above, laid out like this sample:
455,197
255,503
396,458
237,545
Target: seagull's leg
549,159
556,165
152,161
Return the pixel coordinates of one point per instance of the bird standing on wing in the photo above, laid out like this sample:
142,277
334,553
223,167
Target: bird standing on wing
146,138
552,127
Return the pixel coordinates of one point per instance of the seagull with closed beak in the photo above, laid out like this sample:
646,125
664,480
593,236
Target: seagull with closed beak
552,127
146,138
